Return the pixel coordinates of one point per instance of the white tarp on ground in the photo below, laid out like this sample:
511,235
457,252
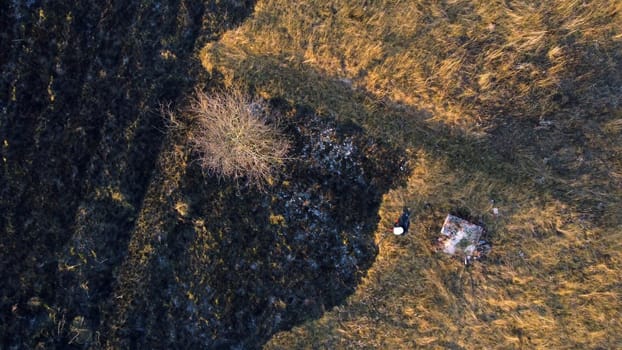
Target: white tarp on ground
458,236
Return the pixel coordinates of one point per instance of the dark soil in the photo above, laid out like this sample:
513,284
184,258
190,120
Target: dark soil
111,235
215,265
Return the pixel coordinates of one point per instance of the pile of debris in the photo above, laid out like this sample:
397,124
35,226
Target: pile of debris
463,238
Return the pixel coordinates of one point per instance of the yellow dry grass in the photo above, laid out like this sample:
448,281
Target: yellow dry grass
505,104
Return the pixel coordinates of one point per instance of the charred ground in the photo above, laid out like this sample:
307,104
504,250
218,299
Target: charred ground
111,235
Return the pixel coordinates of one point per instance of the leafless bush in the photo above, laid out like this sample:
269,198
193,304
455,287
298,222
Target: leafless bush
233,138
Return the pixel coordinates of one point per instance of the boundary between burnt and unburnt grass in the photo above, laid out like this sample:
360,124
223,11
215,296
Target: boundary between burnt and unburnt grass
529,94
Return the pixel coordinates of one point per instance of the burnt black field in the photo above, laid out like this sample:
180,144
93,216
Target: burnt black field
112,237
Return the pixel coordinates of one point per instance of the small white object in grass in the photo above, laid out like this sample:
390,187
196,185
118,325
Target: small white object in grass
495,211
398,230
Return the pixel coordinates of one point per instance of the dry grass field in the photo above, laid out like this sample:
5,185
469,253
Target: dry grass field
514,105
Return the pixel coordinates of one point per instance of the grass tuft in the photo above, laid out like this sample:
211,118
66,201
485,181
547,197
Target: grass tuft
234,138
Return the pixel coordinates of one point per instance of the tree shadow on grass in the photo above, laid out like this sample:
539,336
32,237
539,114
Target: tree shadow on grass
401,126
570,159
